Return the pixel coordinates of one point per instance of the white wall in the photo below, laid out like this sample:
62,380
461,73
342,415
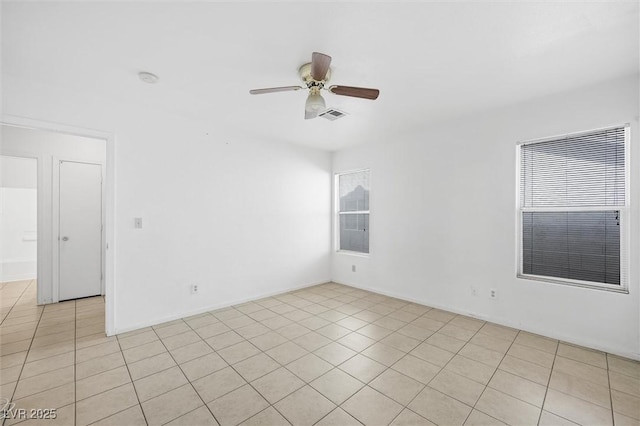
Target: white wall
18,241
443,219
18,218
18,172
44,148
240,216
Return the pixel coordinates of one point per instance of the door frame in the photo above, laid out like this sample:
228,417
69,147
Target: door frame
109,242
55,223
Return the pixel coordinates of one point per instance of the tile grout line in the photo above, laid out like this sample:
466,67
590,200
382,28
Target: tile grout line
25,363
613,417
425,385
489,381
494,372
16,302
546,389
231,366
49,371
249,383
541,366
377,341
357,352
448,362
339,406
11,399
284,366
93,375
214,351
185,376
75,381
117,412
571,375
132,385
581,379
176,364
404,356
277,362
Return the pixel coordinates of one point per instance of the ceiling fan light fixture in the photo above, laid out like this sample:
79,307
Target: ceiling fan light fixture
315,103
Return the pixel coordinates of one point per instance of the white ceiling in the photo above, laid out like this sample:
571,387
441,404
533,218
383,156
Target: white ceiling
431,61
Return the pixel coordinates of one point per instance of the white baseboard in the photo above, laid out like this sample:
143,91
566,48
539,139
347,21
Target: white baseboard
17,277
15,280
500,321
5,278
119,330
505,322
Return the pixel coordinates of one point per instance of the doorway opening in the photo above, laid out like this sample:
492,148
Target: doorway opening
18,227
69,237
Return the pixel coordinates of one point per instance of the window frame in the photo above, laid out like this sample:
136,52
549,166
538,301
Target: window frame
625,234
338,213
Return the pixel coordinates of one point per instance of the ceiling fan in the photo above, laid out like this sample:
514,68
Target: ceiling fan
315,76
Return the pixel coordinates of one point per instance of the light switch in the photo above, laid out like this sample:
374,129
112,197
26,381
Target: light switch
137,222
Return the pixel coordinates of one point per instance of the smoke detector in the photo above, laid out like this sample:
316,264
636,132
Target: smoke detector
148,77
332,114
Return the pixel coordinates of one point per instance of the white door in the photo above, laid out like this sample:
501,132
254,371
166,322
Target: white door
80,230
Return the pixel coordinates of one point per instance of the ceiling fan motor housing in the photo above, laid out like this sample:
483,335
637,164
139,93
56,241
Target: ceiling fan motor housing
305,75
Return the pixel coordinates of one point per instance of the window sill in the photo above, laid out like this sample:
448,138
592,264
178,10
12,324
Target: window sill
574,283
352,253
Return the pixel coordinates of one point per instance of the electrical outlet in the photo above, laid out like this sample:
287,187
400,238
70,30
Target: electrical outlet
474,291
353,268
194,289
137,222
493,293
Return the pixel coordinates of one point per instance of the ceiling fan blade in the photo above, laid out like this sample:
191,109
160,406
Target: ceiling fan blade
319,65
356,92
275,90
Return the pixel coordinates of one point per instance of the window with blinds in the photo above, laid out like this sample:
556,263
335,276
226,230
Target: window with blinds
353,211
572,211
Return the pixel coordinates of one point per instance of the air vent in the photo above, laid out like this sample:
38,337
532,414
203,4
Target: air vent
332,114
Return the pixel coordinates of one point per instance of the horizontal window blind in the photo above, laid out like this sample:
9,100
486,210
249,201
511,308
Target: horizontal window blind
575,171
575,245
572,194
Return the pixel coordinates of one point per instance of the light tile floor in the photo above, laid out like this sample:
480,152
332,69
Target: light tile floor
325,355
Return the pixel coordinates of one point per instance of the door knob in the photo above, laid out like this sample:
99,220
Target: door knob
65,238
